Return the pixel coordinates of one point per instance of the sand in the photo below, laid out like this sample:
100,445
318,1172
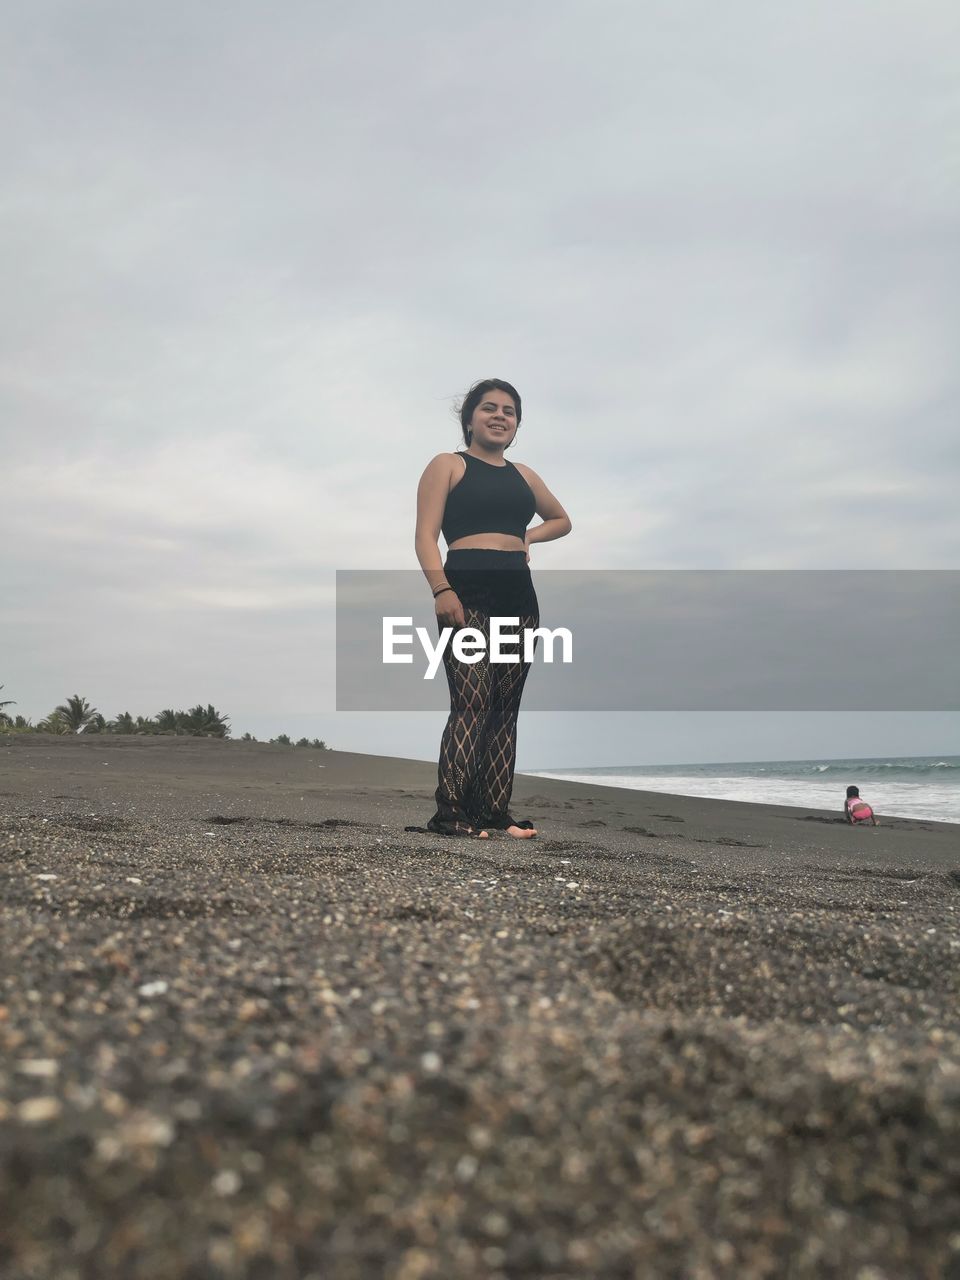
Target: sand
250,1027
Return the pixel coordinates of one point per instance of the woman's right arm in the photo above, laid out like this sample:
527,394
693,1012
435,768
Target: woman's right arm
431,501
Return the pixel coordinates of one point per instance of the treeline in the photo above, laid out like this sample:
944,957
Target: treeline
76,715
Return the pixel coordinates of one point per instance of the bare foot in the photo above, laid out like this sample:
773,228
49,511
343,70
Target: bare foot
521,833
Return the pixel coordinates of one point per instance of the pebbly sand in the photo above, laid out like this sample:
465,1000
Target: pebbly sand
251,1027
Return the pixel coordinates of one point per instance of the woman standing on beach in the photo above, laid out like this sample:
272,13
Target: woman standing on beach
482,504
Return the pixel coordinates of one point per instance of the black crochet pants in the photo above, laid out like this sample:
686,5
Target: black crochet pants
478,750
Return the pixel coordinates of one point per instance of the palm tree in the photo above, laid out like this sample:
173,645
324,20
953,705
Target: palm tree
167,721
53,723
124,723
97,725
282,739
319,744
76,713
4,718
146,725
207,722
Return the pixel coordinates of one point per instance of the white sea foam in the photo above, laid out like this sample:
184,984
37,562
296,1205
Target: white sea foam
939,801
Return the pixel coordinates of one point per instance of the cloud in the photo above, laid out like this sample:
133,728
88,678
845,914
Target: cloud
251,260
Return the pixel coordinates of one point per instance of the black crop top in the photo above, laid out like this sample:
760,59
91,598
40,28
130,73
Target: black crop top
489,499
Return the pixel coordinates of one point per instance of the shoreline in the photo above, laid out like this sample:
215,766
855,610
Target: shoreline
296,777
812,803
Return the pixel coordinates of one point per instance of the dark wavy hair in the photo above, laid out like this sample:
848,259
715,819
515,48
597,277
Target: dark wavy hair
474,397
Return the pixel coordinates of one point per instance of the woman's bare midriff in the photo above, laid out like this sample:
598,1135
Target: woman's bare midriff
488,542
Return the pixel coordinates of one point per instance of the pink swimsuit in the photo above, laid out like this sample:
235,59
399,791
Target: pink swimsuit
859,810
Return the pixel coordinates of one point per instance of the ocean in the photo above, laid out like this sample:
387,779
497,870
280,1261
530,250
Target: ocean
902,786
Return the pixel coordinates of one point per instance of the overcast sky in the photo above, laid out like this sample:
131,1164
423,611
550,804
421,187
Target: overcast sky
252,253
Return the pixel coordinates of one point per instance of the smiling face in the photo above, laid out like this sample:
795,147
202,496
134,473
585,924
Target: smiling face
494,421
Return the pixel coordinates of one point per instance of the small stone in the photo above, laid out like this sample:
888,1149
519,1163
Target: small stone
479,1138
222,1254
496,1225
157,988
227,1182
149,1131
39,1110
277,1197
108,1148
431,1063
40,1068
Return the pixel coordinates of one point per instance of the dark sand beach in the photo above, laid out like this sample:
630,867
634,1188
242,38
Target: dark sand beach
251,1027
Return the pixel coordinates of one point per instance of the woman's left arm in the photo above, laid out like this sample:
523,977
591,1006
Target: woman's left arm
556,522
